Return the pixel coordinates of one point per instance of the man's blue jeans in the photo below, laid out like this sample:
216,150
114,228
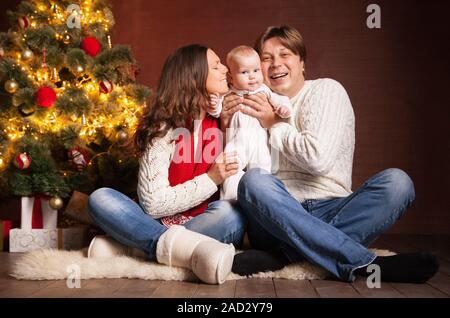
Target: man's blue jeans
333,233
125,221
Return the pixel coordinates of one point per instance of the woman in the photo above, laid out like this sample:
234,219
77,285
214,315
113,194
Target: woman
307,210
181,166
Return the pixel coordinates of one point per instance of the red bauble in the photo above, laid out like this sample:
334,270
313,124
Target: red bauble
45,96
91,46
79,157
22,160
106,86
24,23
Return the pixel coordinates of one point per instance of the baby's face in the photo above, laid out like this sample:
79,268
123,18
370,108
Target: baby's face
246,72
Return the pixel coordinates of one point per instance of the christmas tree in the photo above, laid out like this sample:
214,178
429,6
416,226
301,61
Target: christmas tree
69,101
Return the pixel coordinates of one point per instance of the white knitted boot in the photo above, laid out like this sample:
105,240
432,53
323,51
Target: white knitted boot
106,246
209,259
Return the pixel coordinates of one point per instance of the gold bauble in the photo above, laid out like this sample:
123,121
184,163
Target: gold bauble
27,110
11,86
2,52
27,55
67,38
122,136
56,203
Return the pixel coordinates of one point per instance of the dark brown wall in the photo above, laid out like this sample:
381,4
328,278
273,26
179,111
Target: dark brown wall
397,77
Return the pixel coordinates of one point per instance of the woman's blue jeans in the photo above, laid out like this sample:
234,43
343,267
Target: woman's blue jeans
333,233
124,220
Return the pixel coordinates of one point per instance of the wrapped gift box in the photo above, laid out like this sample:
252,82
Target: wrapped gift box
25,240
30,205
77,208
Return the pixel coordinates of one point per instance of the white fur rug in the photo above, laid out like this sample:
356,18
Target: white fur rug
58,264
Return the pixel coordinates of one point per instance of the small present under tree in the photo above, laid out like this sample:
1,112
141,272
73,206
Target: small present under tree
69,101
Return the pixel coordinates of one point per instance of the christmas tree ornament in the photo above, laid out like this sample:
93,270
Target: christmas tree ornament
26,110
55,75
56,203
27,55
67,38
11,86
106,86
121,136
24,23
79,157
45,96
91,46
2,52
22,161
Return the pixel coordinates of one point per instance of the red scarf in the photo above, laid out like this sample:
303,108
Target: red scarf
184,167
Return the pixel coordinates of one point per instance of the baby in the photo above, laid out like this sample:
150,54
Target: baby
246,78
245,135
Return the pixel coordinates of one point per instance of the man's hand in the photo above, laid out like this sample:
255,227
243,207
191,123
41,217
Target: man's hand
231,104
260,108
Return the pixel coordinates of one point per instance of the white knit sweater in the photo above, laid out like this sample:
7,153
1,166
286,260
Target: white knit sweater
316,146
156,196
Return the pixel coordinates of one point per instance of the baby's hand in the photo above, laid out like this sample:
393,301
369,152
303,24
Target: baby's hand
214,100
283,112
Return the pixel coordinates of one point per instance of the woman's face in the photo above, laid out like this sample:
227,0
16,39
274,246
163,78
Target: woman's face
282,69
216,82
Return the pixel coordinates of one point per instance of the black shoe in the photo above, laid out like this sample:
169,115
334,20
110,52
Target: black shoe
255,261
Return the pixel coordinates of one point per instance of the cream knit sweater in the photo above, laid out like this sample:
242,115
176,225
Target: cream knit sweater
156,196
316,146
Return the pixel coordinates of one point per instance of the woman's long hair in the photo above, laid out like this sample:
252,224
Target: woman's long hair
180,95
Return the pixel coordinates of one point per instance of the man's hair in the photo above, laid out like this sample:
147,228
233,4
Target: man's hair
241,50
288,36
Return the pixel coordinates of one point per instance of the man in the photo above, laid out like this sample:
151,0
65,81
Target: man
307,209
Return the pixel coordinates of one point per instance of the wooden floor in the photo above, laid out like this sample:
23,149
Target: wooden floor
437,287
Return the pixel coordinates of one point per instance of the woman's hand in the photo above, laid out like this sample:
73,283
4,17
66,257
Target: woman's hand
231,104
225,166
260,108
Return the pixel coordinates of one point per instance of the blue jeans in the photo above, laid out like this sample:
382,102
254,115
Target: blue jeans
332,233
125,221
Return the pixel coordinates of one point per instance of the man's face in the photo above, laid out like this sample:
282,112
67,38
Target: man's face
282,69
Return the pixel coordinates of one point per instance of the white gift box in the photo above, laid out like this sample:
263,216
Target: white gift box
25,240
49,215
